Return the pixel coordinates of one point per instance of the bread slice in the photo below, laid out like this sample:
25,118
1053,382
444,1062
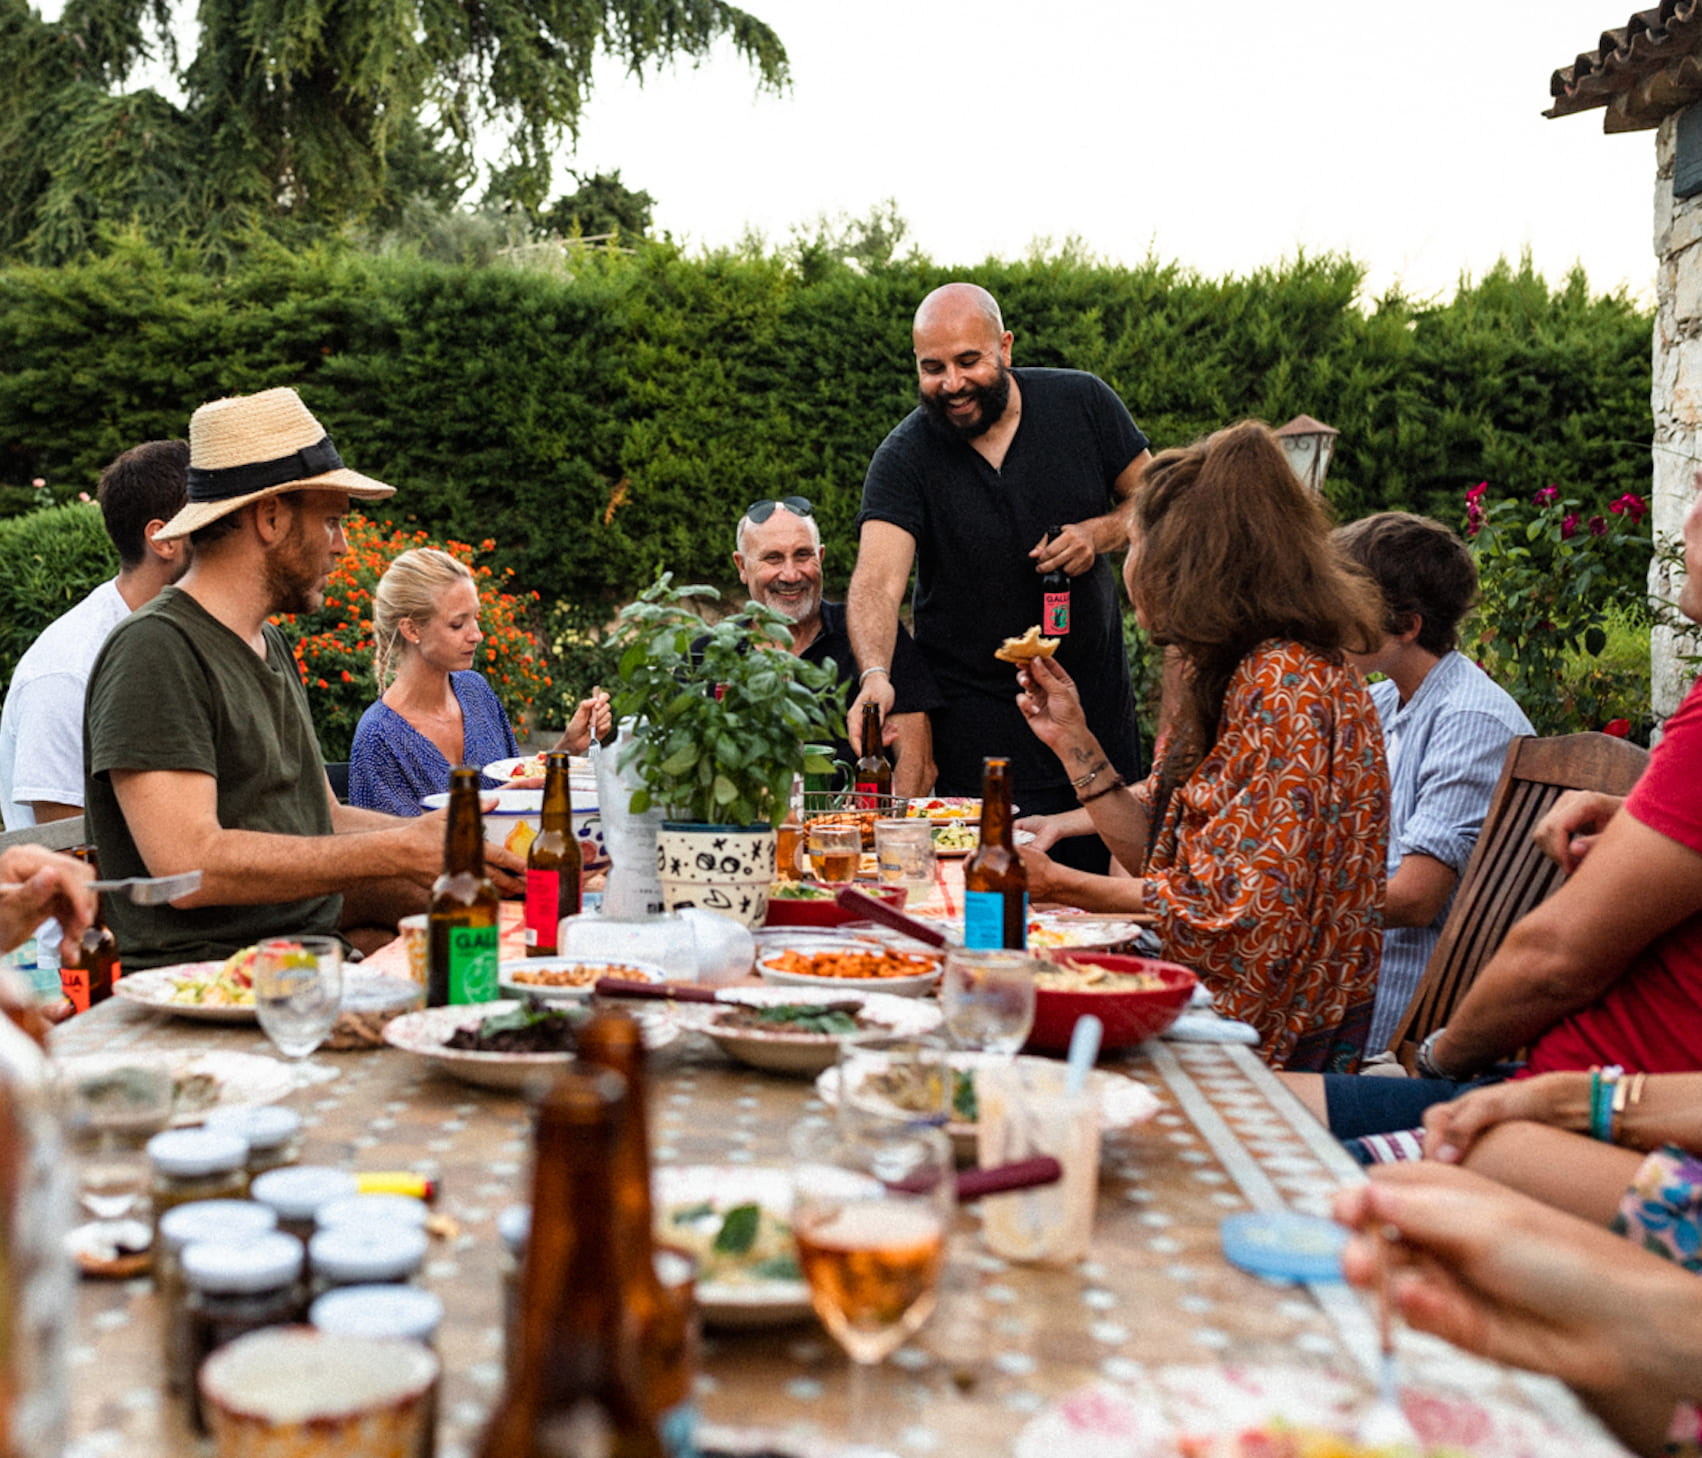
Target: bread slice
1030,645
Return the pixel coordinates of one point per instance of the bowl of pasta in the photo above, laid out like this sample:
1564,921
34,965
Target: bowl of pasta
1136,998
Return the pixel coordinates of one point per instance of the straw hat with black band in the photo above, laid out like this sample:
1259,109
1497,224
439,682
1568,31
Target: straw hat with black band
259,445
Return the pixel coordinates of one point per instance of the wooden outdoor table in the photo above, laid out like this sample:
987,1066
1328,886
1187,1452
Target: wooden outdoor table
1155,1291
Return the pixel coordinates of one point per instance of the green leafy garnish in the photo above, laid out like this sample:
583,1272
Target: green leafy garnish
738,1229
963,1101
799,891
807,1018
778,1268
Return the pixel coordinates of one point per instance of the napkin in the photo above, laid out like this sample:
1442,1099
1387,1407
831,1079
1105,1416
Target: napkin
1210,1028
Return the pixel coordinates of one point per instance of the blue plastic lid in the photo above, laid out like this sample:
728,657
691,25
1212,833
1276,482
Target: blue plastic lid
1285,1245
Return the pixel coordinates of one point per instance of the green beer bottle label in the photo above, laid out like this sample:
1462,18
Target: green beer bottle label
472,963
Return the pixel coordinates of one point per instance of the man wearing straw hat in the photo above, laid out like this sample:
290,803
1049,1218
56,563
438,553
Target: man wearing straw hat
199,752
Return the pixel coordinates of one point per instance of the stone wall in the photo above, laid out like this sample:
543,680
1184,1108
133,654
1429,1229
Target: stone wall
1676,402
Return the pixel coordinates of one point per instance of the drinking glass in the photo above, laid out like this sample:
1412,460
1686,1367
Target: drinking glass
904,854
298,990
872,1207
110,1114
835,852
987,998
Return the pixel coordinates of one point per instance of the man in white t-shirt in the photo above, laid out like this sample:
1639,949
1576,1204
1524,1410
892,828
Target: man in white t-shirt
41,726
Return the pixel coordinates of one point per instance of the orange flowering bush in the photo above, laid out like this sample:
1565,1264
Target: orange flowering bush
333,647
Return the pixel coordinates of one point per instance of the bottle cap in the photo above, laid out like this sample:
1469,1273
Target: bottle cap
266,1127
262,1263
352,1255
189,1153
395,1211
214,1220
379,1311
1285,1245
514,1225
298,1191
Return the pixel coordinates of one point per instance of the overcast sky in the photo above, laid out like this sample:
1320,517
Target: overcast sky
1222,135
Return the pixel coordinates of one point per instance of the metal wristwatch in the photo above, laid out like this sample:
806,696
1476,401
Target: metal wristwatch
1424,1060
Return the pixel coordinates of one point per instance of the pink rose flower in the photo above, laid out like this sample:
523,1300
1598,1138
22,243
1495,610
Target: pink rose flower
1569,525
1547,495
1598,526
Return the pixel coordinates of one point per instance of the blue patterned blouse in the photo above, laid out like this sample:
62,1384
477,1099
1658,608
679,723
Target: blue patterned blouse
392,766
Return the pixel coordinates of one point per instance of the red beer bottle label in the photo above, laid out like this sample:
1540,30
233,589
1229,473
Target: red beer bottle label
1055,620
543,908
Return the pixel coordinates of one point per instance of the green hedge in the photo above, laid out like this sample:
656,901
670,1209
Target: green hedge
49,560
606,422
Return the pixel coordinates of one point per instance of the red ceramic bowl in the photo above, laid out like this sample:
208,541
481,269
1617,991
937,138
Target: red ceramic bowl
1129,1017
782,911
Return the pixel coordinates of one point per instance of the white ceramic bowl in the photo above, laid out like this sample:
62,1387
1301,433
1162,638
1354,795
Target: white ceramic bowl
780,1050
511,976
522,807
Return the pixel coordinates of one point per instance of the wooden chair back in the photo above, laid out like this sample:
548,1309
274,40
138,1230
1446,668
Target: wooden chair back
1507,875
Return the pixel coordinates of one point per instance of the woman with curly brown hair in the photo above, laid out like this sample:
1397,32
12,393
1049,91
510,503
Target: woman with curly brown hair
1258,840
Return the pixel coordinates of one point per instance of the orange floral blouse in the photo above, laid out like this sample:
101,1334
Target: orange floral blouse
1267,875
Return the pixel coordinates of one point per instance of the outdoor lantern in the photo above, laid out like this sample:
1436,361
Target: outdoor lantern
1308,444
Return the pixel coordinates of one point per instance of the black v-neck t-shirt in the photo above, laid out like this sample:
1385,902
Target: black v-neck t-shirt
976,584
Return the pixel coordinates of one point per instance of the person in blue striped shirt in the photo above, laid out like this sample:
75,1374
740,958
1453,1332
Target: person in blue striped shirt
1446,727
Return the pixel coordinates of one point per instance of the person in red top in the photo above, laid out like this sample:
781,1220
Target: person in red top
1608,970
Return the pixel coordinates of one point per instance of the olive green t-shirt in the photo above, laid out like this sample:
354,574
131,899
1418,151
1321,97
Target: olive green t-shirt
174,689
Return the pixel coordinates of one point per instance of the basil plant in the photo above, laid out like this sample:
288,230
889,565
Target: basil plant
725,715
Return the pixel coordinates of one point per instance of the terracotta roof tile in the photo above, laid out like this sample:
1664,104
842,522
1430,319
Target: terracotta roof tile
1641,72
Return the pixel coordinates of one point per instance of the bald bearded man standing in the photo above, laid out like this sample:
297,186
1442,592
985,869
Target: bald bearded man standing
964,489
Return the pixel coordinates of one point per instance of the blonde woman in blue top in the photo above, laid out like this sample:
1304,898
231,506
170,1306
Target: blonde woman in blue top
436,712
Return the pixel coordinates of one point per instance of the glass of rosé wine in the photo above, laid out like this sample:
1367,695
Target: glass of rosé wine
872,1208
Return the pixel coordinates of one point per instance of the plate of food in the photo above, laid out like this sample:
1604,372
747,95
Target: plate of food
735,1220
563,978
531,767
200,1082
946,809
798,1030
851,965
208,992
889,1087
513,1045
953,838
1055,930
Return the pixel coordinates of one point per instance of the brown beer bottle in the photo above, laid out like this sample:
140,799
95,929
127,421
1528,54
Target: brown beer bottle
874,769
574,1387
995,884
89,966
553,863
461,927
660,1312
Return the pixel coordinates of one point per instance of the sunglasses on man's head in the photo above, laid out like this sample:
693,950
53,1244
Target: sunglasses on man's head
760,511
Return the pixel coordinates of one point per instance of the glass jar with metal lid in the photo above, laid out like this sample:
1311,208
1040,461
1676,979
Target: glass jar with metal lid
366,1255
224,1221
299,1192
196,1164
236,1289
379,1209
273,1133
386,1311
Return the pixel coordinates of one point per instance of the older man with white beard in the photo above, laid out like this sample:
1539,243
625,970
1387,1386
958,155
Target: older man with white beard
199,751
779,555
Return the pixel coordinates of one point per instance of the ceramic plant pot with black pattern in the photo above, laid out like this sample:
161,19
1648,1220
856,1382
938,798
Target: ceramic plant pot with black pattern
722,868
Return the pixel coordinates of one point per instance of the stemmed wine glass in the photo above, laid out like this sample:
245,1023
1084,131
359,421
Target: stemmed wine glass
987,998
298,991
871,1212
